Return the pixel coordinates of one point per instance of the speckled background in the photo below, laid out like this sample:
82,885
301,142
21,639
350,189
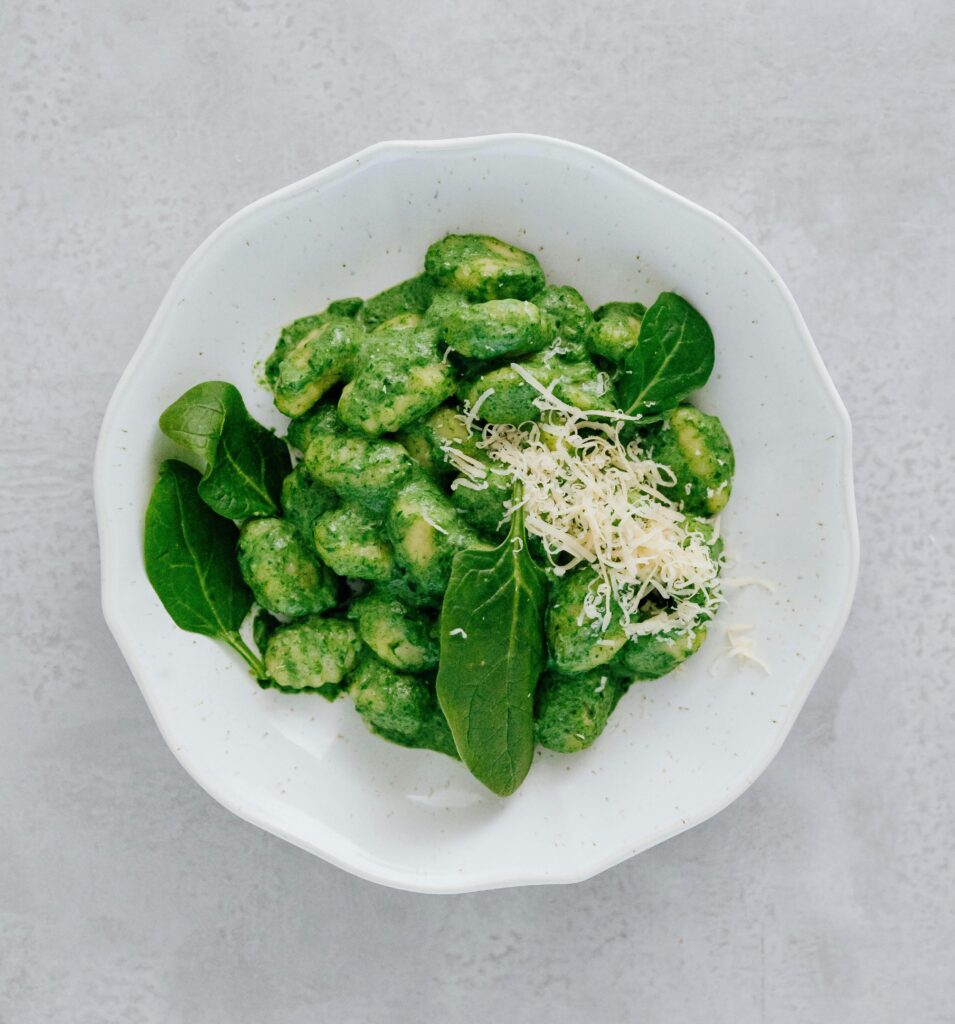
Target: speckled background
824,132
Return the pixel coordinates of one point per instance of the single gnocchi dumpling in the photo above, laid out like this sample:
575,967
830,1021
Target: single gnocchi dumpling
289,337
578,643
484,508
698,450
305,499
321,357
401,708
426,531
283,574
656,654
572,710
294,332
585,387
482,268
425,440
321,418
572,317
401,378
410,593
504,396
400,637
351,540
361,469
616,330
444,303
311,653
497,329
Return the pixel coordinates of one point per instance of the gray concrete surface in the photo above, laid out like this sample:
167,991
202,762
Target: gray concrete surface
823,130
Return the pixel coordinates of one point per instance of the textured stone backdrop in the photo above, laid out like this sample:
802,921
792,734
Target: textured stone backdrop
824,131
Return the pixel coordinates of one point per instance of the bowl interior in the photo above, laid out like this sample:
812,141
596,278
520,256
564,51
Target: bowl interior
676,750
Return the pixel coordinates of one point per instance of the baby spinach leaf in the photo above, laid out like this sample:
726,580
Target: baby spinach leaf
492,654
244,462
674,356
191,561
263,626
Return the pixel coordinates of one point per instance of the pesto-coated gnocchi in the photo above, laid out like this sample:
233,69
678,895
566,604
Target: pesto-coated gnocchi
350,541
507,397
400,636
577,642
427,531
616,330
572,710
412,296
402,378
426,440
312,653
318,356
285,576
572,318
366,470
501,328
482,268
305,499
655,654
484,508
399,707
697,449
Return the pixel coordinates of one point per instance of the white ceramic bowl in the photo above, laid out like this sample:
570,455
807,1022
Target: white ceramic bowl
677,750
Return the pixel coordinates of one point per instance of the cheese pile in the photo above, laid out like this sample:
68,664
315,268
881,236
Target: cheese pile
591,498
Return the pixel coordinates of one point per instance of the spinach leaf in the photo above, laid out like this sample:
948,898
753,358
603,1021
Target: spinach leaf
674,356
244,462
263,626
191,562
492,653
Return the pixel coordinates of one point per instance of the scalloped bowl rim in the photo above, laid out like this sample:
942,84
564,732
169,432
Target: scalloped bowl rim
368,867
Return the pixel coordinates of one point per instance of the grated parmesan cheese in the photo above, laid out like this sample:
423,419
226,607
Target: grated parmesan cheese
471,415
471,467
470,485
555,350
548,401
591,498
433,524
739,647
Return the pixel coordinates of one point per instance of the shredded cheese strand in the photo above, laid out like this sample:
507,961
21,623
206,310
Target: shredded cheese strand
548,402
749,581
739,647
433,524
471,414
